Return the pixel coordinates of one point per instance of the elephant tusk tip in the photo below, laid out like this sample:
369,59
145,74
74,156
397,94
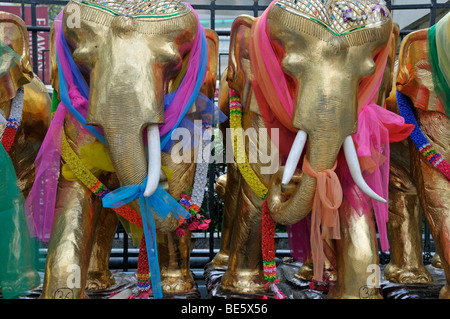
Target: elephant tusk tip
381,200
149,191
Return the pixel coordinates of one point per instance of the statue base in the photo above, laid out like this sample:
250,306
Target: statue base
123,282
295,288
213,276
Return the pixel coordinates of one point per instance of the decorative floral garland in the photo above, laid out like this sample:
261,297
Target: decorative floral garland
246,170
90,181
405,107
13,123
143,273
249,175
192,199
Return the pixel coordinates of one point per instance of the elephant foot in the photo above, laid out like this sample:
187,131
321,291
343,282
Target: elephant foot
407,274
436,261
33,279
445,292
243,282
177,282
306,273
99,280
220,260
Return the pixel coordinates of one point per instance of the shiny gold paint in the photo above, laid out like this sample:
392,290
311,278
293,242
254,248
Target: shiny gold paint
414,80
323,66
35,115
112,52
13,33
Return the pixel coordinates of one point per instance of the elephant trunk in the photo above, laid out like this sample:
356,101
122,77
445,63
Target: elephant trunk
127,152
299,204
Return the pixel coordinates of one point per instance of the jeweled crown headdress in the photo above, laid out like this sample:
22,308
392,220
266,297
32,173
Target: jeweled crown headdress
339,16
140,8
336,18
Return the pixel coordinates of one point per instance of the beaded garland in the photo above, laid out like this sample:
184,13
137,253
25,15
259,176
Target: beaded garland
13,123
405,107
143,272
241,157
192,199
249,175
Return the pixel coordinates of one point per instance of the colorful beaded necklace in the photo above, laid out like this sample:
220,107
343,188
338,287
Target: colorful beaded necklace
249,175
405,107
13,123
192,200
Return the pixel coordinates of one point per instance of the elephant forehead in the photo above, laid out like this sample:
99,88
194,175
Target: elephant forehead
339,17
140,8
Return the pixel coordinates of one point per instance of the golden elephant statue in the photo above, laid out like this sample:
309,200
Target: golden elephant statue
309,74
129,74
25,117
420,173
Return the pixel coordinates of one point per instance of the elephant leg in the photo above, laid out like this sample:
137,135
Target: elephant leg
99,275
434,196
69,251
405,223
230,210
245,270
356,256
306,271
174,260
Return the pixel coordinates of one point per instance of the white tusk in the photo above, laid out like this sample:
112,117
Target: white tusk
355,170
154,160
294,157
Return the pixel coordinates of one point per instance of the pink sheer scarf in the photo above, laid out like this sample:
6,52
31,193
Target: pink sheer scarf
40,203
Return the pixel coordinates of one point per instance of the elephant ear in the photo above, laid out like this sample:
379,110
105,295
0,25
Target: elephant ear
414,78
239,73
386,86
15,66
209,87
54,74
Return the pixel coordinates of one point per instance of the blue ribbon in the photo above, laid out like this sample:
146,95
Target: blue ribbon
161,204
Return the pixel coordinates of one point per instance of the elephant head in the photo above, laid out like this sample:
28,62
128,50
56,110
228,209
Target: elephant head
327,50
130,53
15,67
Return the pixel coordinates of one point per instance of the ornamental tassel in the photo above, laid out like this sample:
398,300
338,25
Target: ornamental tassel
268,252
143,272
14,120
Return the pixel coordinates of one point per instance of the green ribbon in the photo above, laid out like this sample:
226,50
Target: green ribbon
18,250
8,58
441,86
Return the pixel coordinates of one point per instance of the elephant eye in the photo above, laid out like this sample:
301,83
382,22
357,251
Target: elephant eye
85,55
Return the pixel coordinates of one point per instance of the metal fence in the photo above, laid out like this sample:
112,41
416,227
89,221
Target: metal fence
213,204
